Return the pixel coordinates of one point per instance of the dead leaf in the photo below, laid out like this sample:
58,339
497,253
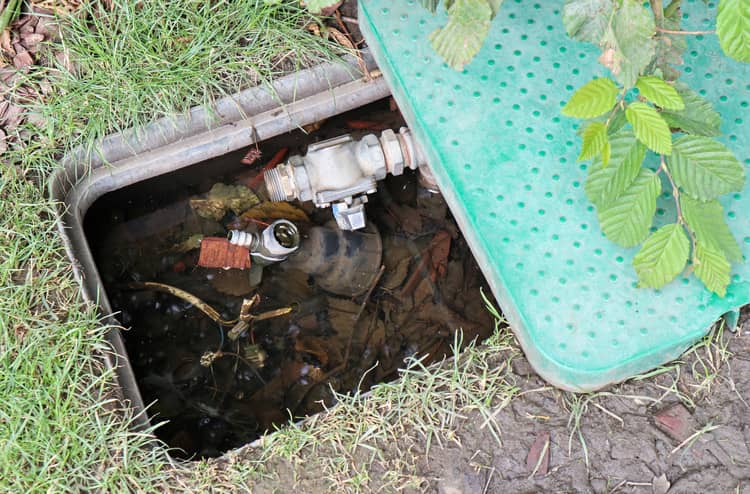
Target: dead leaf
395,278
251,156
232,282
275,211
310,128
675,421
223,197
660,484
316,347
537,461
191,243
3,142
341,38
608,59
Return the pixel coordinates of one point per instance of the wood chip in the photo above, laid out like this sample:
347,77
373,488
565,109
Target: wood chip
31,41
676,421
3,142
23,59
5,41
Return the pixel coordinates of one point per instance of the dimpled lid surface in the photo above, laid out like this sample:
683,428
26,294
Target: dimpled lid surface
505,160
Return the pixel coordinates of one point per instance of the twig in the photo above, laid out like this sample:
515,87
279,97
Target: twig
685,33
678,206
187,297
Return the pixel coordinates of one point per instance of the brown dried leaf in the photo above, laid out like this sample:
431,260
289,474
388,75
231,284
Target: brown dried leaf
537,461
341,38
316,347
274,211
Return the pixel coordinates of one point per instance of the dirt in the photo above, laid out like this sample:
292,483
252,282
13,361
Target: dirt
628,446
628,455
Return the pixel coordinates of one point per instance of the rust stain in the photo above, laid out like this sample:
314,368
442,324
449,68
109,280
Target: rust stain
217,252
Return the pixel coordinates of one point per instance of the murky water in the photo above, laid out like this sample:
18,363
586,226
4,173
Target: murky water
215,390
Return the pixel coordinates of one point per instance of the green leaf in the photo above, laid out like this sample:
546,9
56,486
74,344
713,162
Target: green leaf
594,140
462,37
712,268
698,117
626,221
659,93
733,28
495,6
593,99
629,46
706,220
649,127
316,6
617,122
662,257
430,5
587,20
606,183
705,168
606,154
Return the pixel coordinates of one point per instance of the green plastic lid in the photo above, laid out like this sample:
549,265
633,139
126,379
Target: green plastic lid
505,160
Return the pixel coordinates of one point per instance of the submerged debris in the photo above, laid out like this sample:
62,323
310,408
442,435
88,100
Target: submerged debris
324,320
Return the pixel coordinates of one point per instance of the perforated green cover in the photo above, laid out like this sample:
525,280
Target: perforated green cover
505,160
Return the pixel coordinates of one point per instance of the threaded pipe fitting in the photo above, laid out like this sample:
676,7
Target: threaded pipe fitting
275,184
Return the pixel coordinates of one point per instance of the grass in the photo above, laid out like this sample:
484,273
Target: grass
138,61
61,427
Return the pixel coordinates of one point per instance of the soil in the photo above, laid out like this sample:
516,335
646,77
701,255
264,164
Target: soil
641,436
628,455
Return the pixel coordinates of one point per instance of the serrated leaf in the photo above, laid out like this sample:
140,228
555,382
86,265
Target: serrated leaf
594,140
626,220
706,220
659,93
430,5
629,46
495,6
593,99
662,257
733,28
316,6
587,20
462,37
649,127
617,122
698,117
606,154
712,268
705,168
606,183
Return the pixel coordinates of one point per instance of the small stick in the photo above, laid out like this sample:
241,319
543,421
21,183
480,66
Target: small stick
686,33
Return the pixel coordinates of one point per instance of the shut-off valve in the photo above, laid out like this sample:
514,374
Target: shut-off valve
341,172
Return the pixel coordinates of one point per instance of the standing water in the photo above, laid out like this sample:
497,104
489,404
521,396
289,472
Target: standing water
215,382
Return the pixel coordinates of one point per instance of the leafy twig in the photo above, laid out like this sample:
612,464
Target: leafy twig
678,206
